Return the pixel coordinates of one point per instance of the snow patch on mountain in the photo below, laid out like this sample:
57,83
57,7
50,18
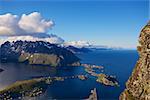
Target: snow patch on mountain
54,39
78,44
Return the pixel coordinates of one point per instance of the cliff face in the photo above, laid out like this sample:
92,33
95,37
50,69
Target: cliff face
138,85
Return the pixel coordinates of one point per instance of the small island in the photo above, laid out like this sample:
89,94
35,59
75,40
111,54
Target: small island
93,95
107,80
91,66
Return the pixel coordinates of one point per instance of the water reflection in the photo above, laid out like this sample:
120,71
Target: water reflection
14,72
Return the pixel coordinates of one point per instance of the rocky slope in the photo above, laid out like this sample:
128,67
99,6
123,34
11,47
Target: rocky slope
39,52
138,85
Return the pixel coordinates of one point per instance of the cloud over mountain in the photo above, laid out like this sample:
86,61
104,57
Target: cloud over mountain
9,25
49,38
27,27
12,25
30,27
79,44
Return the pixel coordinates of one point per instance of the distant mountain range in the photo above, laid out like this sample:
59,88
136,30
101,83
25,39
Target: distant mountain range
74,46
84,46
78,50
39,52
45,53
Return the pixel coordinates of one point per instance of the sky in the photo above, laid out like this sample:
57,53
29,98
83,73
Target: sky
103,22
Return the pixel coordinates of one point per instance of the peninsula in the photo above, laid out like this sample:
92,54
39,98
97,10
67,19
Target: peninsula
33,87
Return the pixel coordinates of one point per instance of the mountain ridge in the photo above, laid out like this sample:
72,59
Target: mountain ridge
38,52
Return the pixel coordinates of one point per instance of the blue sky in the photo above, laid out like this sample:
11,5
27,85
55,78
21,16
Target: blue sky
108,22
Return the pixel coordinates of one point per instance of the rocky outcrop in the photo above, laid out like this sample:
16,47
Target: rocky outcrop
138,85
39,52
107,80
102,78
93,95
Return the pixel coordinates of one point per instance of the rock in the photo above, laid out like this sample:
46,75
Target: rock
82,77
138,85
93,95
101,78
107,80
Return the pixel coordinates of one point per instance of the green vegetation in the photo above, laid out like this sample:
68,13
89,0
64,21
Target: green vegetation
24,88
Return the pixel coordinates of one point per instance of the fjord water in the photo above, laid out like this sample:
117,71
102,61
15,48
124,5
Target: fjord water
116,62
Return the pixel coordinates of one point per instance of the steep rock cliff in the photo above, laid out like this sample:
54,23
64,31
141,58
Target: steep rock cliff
138,85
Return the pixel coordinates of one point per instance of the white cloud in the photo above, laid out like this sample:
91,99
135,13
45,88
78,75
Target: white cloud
25,25
9,24
77,44
33,23
51,39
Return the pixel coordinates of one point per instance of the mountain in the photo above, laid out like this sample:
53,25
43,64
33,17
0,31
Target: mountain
77,44
38,52
51,38
78,50
84,46
138,85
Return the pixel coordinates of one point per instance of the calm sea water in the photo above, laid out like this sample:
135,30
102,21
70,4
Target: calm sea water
116,62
